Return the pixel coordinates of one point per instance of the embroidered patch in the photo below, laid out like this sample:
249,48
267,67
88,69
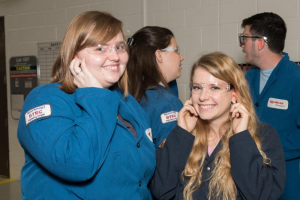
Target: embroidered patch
38,112
149,134
278,103
169,117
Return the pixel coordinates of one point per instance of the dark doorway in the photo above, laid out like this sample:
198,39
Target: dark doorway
4,154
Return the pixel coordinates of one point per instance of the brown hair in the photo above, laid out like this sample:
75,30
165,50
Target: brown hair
87,29
142,66
221,184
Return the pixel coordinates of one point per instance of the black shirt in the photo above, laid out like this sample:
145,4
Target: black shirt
253,180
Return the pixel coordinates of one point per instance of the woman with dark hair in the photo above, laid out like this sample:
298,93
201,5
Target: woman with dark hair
155,61
218,150
84,137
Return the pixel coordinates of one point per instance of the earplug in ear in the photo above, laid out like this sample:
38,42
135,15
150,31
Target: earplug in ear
234,95
259,44
75,56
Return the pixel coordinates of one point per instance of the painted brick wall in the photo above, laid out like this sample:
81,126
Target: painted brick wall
200,26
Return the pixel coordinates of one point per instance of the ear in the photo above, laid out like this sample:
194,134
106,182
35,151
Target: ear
158,56
260,44
233,99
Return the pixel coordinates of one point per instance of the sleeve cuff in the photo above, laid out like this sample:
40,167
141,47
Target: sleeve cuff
241,136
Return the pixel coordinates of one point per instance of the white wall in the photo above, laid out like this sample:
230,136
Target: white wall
200,26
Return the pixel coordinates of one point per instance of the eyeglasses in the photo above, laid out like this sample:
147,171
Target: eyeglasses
242,38
104,50
212,88
171,48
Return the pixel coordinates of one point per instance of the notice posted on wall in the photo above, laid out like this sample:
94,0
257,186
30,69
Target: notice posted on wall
47,54
23,78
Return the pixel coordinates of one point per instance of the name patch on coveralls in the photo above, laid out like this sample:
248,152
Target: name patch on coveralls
278,103
38,112
169,117
149,134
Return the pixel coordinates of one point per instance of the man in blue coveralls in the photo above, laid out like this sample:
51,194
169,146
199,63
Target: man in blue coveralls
275,88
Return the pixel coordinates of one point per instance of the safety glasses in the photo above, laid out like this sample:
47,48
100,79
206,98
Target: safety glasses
213,88
171,48
242,38
104,50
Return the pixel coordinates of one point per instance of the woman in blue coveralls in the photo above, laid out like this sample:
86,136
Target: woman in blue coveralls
83,135
155,61
218,150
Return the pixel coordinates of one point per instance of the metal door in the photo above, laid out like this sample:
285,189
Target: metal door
4,155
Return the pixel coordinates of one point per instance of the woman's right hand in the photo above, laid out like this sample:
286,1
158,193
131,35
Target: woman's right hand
82,76
187,116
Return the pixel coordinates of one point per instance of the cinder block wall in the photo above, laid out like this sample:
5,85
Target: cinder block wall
200,26
203,26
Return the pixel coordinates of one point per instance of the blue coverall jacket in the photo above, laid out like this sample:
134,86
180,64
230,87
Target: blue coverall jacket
76,148
162,108
279,105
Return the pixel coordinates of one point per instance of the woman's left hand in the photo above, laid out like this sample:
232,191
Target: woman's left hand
240,118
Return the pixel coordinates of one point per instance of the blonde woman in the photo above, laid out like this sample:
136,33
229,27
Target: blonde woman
218,150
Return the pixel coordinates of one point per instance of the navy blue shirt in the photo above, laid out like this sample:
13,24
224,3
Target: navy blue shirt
253,180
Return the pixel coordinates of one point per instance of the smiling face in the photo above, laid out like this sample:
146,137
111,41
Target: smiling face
211,106
170,64
107,68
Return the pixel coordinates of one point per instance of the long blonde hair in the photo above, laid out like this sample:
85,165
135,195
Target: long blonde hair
86,29
221,184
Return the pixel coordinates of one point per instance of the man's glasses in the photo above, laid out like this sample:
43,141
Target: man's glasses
213,88
104,50
242,38
171,48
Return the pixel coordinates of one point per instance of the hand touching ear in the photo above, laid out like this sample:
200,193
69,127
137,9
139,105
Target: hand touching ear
82,76
240,118
187,116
